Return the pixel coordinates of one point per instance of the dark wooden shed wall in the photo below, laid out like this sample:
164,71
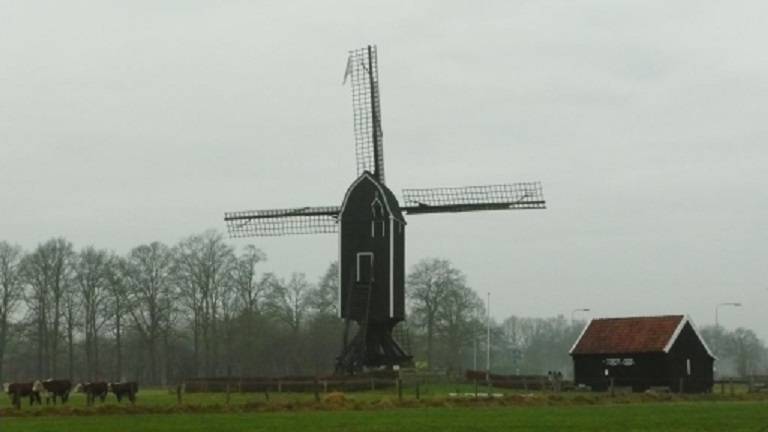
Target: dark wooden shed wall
662,369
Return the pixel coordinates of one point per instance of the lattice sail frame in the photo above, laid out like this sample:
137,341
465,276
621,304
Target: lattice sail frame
266,223
363,68
473,198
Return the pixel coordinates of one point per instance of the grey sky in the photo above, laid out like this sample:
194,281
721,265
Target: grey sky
127,122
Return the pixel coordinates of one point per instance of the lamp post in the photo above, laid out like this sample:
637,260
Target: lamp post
717,322
578,310
488,340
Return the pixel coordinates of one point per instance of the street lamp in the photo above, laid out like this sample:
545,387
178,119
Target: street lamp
578,310
488,339
717,322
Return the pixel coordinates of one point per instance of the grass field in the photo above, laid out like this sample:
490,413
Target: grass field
158,410
700,416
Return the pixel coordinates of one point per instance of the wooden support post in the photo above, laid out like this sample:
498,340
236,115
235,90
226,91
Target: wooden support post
178,394
325,386
266,392
314,388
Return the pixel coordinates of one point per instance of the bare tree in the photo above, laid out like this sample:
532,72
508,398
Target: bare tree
11,291
200,271
288,304
250,287
91,280
250,291
458,321
149,293
116,307
429,284
325,327
47,273
289,301
324,299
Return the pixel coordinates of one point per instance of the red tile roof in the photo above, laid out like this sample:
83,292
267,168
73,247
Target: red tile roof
628,335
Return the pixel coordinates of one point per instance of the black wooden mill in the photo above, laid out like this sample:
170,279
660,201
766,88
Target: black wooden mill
371,227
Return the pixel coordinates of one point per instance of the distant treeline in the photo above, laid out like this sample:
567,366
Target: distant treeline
161,314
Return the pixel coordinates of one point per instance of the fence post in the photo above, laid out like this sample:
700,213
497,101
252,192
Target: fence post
266,392
730,381
314,388
722,387
178,394
475,388
613,392
17,399
227,397
417,389
682,381
325,386
400,389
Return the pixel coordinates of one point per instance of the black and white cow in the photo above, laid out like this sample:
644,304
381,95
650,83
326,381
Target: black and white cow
93,390
129,389
18,390
55,388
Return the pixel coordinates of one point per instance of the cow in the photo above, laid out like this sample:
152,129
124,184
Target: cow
57,388
129,389
93,390
30,389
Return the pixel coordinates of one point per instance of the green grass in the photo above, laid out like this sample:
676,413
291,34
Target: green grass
381,410
746,416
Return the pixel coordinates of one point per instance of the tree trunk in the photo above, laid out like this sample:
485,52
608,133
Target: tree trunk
118,346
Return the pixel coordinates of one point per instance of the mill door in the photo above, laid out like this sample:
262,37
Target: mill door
364,267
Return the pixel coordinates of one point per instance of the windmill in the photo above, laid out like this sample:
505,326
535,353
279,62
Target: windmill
371,227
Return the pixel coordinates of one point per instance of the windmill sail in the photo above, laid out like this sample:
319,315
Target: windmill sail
473,198
304,220
363,69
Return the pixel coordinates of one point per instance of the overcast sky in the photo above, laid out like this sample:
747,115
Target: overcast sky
126,122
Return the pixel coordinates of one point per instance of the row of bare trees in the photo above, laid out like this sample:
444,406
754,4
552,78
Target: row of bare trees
163,313
158,313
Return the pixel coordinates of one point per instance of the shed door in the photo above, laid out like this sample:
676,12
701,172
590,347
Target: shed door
364,267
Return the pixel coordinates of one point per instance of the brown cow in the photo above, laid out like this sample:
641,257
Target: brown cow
129,389
93,390
29,389
57,388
